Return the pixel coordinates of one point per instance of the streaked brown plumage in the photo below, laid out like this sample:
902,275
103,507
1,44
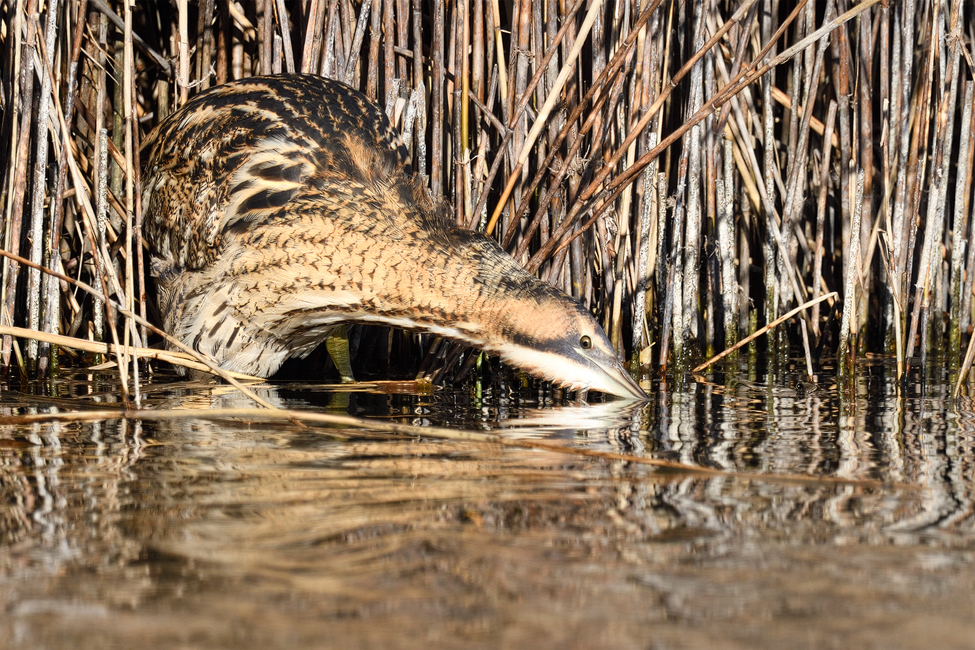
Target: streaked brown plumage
280,207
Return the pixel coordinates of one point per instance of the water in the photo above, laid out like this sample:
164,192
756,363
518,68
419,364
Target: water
842,518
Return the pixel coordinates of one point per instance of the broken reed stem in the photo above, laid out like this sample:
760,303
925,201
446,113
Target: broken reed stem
182,52
763,330
726,246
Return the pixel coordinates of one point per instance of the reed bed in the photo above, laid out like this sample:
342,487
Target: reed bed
691,172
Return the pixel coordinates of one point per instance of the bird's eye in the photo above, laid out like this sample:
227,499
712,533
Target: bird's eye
585,342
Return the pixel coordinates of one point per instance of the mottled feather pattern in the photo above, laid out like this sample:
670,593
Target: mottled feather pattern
280,207
246,149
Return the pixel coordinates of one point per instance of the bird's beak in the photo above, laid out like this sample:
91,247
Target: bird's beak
612,378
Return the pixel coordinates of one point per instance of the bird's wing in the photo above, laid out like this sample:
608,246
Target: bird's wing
238,154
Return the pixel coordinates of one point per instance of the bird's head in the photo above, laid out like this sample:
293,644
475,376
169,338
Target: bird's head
534,327
561,342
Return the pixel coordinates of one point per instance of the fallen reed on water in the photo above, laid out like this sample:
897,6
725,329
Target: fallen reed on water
689,171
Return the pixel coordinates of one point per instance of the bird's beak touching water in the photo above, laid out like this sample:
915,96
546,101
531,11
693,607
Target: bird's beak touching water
609,376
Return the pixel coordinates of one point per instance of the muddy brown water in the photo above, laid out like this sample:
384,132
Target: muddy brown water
845,519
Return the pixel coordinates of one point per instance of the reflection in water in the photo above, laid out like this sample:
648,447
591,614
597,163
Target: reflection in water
212,533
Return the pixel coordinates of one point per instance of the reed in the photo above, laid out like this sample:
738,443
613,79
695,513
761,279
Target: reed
677,167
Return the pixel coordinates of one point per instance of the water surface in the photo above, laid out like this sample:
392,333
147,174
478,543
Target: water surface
842,517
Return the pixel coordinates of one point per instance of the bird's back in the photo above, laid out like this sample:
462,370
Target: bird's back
233,157
277,207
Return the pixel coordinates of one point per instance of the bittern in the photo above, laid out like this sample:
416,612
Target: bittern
279,208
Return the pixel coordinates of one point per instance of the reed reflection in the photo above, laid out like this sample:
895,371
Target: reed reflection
360,521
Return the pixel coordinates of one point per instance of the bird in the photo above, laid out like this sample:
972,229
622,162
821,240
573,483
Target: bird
279,208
